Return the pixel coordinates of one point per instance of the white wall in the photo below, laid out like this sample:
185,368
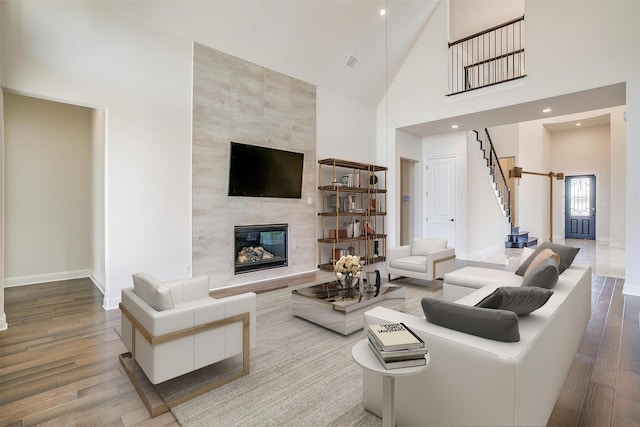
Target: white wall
98,223
505,140
3,316
533,191
472,16
598,58
409,147
582,151
487,226
618,170
346,129
48,190
142,77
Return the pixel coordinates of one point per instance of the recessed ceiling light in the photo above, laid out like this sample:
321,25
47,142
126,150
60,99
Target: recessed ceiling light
454,126
383,12
546,110
578,124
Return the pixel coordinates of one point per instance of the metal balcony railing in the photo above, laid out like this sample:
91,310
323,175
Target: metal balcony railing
487,58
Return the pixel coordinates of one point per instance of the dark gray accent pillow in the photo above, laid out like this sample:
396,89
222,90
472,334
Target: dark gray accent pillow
522,301
543,275
499,325
566,253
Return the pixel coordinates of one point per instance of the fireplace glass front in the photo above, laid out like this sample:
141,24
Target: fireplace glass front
259,247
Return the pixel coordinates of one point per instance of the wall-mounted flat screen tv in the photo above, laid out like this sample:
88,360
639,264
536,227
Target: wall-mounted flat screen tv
265,172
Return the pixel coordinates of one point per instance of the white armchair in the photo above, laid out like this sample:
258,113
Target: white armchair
425,259
172,328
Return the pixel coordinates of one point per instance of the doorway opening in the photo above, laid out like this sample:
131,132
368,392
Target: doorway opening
407,200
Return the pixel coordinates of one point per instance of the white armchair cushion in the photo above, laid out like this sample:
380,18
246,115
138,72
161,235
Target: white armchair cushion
424,246
184,290
412,263
153,291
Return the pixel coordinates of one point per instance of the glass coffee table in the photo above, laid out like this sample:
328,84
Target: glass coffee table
319,303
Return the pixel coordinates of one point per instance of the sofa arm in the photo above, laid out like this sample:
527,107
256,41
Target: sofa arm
398,252
436,255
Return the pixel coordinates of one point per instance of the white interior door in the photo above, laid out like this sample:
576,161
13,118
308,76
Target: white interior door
440,198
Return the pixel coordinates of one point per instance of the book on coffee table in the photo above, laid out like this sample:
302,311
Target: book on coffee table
394,336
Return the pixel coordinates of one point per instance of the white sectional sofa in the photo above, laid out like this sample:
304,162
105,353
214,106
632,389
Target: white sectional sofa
478,381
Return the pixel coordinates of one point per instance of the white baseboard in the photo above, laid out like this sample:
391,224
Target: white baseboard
43,278
111,304
97,282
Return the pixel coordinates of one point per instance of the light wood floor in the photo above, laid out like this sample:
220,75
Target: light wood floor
58,361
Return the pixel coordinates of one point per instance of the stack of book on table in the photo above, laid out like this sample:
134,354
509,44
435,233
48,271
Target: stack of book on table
396,346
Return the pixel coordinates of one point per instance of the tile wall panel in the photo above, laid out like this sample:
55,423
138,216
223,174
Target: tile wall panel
235,100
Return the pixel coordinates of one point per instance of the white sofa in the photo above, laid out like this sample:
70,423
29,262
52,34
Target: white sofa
425,259
172,328
464,281
477,381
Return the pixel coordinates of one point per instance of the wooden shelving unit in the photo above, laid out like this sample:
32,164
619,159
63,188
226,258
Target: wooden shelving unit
354,200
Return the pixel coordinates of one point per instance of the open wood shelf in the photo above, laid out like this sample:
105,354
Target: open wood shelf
352,193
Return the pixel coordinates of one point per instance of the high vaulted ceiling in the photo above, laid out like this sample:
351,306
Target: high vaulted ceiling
307,39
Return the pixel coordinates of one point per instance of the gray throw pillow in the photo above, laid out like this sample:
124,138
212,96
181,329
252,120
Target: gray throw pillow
499,325
566,253
544,275
522,301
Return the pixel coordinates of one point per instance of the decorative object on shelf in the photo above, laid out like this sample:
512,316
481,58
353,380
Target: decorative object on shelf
356,228
368,230
373,180
348,272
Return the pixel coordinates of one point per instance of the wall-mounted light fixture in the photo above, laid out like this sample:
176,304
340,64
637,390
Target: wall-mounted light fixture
517,172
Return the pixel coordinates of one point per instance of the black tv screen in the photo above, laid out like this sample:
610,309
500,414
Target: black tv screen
265,172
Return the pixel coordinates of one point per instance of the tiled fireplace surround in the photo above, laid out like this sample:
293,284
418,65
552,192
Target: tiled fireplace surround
235,100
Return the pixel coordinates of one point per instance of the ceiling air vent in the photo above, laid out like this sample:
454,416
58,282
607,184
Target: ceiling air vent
352,61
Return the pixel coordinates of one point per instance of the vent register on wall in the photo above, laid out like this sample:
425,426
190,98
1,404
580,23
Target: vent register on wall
354,199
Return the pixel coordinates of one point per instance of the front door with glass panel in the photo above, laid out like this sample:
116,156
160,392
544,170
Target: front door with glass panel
580,207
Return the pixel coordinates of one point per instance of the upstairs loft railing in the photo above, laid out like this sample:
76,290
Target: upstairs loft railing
487,58
499,178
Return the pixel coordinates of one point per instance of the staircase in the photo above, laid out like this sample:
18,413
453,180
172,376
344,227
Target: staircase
519,239
498,180
516,238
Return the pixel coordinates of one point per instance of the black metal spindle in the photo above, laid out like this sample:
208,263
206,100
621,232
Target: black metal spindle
473,61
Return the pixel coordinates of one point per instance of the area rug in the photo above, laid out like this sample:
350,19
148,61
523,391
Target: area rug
301,374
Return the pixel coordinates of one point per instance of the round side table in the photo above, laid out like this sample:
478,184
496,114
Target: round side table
363,356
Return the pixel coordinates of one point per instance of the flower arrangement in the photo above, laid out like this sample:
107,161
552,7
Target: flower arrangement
347,266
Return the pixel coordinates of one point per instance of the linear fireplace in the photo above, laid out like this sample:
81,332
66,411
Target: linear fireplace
259,247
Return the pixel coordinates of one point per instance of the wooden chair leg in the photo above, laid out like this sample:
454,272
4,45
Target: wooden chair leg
155,410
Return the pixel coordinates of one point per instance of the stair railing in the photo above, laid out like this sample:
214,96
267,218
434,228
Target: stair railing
492,56
499,178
